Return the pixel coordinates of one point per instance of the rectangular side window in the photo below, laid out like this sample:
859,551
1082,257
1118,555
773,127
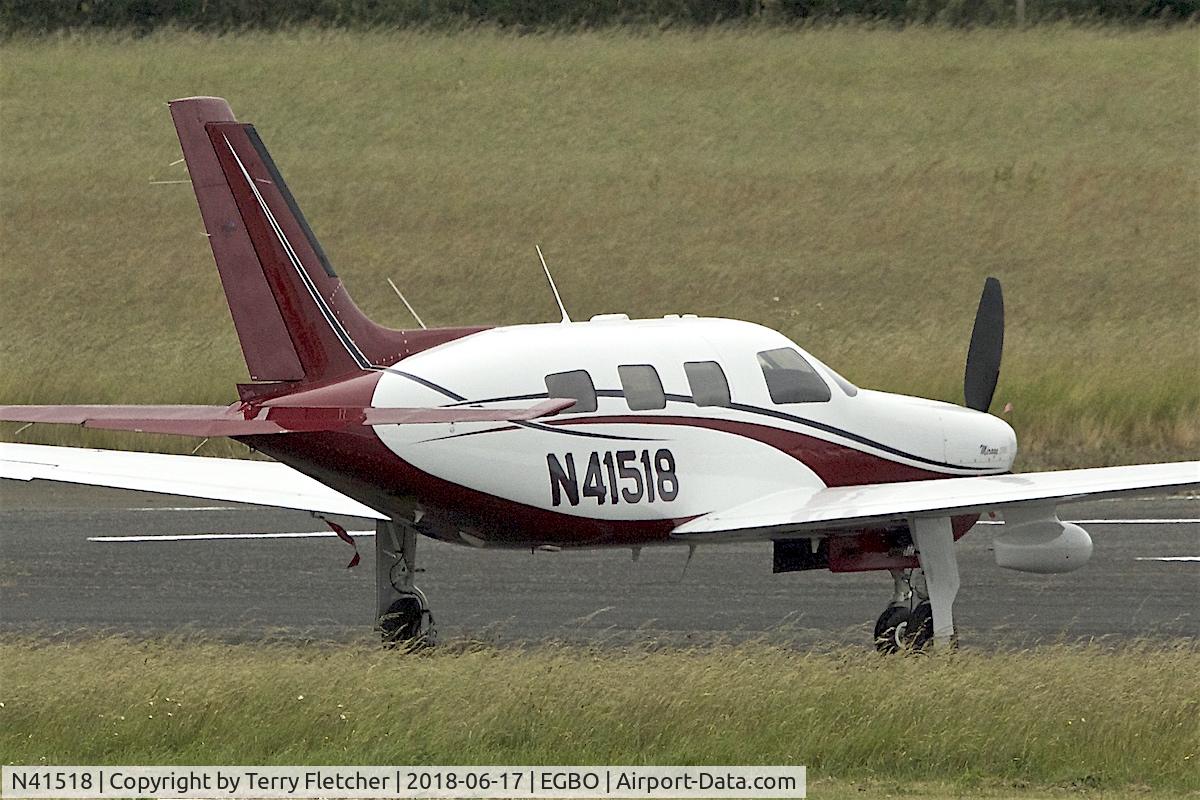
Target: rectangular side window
642,386
791,379
574,385
708,383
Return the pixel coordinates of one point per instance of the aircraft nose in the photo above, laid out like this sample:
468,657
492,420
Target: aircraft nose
978,439
1008,438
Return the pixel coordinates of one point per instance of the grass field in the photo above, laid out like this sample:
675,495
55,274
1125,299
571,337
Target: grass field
850,187
1059,719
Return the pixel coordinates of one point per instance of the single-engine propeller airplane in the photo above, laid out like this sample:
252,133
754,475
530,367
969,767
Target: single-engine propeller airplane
614,432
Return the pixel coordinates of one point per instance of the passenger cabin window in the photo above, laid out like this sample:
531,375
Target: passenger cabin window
574,385
642,386
708,384
790,379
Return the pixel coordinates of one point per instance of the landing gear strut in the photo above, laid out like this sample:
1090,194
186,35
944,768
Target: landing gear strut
402,613
921,608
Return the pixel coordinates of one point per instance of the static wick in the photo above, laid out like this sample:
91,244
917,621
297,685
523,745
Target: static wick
407,305
553,288
174,163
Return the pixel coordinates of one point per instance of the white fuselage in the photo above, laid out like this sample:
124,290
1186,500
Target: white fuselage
681,460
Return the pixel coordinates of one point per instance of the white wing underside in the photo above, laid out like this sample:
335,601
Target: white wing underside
798,512
264,483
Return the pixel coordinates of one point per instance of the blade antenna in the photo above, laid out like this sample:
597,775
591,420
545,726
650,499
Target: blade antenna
553,288
407,305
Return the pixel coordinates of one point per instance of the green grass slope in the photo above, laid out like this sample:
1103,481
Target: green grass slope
850,187
1080,718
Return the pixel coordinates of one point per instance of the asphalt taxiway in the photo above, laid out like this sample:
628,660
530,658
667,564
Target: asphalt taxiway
53,581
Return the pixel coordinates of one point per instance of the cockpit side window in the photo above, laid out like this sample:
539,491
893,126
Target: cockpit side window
708,384
642,386
791,379
574,385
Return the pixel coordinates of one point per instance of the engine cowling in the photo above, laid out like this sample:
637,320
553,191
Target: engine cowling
1038,541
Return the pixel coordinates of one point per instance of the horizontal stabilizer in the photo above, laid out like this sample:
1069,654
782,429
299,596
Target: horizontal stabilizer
272,417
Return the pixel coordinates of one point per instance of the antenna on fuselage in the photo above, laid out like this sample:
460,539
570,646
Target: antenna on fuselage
553,288
407,305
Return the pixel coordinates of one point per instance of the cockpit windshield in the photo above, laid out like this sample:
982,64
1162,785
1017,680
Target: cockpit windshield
791,379
848,388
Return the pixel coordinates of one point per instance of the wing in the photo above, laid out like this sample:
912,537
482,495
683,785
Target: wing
264,483
237,420
798,511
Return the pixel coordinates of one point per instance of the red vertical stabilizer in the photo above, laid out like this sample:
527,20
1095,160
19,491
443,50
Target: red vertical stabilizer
294,318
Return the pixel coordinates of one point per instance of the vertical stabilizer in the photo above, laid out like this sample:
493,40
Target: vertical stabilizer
294,318
266,344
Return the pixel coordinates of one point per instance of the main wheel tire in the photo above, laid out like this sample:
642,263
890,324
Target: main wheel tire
890,629
401,625
919,634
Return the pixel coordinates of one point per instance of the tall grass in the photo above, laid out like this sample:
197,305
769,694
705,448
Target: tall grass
1061,716
850,187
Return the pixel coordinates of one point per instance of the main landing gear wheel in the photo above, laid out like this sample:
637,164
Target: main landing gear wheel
408,622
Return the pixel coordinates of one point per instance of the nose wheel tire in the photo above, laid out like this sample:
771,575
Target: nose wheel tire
891,629
902,629
919,633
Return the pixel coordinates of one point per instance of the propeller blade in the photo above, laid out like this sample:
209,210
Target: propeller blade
987,345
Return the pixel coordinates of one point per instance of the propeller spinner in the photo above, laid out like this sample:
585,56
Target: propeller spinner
987,345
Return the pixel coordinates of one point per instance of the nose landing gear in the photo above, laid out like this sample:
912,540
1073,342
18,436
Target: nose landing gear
910,622
907,622
891,629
